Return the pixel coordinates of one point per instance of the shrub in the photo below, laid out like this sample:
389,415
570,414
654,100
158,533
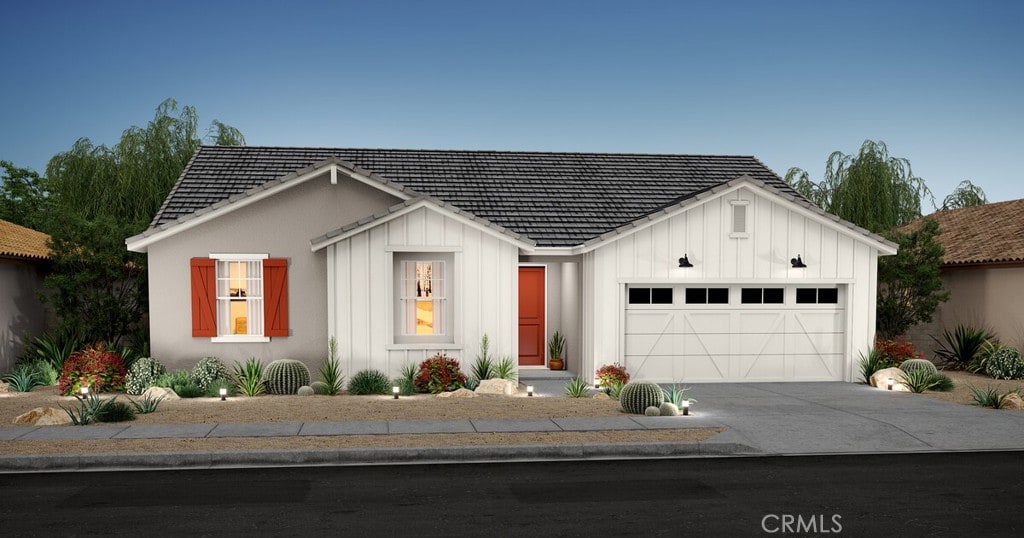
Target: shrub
248,377
142,375
94,367
207,370
54,348
963,347
439,373
330,371
285,376
920,379
189,390
637,396
577,388
406,381
893,352
169,380
369,382
919,364
1005,363
47,374
213,389
23,378
610,374
115,411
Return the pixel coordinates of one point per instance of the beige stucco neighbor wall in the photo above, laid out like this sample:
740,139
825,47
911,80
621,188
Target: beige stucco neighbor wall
22,315
280,226
981,296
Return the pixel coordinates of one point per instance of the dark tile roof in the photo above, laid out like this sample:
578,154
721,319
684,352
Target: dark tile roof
556,199
984,234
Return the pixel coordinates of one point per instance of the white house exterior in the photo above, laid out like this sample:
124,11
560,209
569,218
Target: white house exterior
400,254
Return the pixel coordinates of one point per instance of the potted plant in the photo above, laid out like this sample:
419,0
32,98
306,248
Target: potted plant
556,348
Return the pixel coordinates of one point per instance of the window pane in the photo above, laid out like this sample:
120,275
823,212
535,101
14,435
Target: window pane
424,317
661,295
828,296
750,296
774,296
718,295
639,295
806,295
696,295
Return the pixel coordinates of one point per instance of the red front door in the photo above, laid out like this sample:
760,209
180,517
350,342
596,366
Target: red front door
531,316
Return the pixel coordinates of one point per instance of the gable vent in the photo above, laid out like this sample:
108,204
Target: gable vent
739,219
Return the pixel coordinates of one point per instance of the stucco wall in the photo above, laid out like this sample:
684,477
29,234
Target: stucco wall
21,313
280,226
778,231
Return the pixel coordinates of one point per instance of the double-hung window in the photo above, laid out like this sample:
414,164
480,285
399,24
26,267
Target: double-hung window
239,297
423,310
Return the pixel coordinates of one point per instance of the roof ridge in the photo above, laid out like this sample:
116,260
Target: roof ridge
482,151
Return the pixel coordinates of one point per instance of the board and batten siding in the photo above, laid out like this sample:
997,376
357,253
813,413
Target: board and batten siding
360,290
778,231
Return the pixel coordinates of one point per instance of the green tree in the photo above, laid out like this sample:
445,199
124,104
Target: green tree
966,194
23,197
909,287
871,189
100,195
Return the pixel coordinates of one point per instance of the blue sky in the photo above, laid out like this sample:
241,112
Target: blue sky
942,83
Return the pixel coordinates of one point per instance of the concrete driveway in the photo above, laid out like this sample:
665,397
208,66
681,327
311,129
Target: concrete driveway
833,418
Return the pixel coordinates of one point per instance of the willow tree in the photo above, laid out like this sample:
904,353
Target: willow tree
966,194
23,197
871,189
101,195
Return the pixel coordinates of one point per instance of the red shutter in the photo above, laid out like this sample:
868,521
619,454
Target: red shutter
204,297
275,297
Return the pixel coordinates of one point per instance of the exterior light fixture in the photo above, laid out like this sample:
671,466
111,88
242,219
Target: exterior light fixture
686,407
685,261
529,390
597,383
889,383
797,262
394,390
84,390
223,394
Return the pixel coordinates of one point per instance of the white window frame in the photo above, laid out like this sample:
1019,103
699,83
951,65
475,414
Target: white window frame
734,206
446,298
223,336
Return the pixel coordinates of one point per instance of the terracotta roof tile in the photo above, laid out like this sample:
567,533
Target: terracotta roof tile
21,242
991,233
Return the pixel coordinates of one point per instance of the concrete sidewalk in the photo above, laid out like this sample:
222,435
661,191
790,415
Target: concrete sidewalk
762,419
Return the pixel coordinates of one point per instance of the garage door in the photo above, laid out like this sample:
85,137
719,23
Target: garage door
735,333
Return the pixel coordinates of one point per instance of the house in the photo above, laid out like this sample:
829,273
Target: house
701,268
983,270
24,257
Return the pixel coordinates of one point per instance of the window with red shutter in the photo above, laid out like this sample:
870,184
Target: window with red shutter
204,297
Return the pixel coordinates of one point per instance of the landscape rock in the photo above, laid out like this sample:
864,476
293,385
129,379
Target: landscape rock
155,393
653,411
43,416
460,393
602,396
496,386
1013,401
4,387
669,409
880,379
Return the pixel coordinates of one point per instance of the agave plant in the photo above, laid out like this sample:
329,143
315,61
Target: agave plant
330,371
677,395
23,378
248,377
964,347
577,388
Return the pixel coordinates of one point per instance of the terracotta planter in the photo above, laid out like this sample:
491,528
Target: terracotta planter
556,364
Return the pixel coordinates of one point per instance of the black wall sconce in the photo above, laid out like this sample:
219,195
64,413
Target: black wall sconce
685,261
797,262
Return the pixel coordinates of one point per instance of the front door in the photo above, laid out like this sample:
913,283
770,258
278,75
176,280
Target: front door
531,316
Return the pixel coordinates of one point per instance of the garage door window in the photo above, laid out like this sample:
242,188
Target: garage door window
817,296
650,295
707,295
762,295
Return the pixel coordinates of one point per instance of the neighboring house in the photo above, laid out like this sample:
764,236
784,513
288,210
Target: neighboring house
679,266
983,270
23,260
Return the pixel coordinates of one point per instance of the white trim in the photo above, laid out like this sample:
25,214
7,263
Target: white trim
403,249
763,282
448,346
555,251
239,257
239,338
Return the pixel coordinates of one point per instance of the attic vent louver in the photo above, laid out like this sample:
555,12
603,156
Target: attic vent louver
739,219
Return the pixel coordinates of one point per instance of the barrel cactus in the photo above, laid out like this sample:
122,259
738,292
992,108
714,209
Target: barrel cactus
285,376
319,387
652,411
305,390
637,396
918,364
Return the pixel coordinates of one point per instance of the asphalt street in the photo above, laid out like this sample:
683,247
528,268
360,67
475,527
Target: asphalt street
951,494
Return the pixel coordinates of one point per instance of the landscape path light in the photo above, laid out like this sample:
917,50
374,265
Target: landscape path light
529,390
223,394
395,390
686,407
889,384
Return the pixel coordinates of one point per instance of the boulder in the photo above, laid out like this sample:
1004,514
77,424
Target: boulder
43,416
460,393
496,386
1013,401
669,409
880,379
4,387
156,392
601,396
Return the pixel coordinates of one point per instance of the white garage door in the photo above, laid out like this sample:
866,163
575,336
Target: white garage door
735,333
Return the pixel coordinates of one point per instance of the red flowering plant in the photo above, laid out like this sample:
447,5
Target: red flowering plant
94,367
893,352
611,374
439,373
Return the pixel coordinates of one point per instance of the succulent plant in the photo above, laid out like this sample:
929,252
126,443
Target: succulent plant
637,396
319,387
285,376
653,411
918,364
669,409
305,390
142,375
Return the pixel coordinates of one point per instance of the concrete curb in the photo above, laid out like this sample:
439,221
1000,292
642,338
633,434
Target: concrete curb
369,456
